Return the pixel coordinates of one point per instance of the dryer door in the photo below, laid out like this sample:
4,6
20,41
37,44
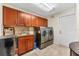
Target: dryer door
50,32
43,36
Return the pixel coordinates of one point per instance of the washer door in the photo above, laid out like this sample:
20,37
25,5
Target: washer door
8,46
44,33
8,42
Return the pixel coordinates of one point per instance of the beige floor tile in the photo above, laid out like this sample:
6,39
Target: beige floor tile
52,50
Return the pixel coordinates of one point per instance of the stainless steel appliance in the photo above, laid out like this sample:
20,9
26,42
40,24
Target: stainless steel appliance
46,37
50,33
7,47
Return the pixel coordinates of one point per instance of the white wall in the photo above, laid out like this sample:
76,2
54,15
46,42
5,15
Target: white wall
54,22
1,23
77,15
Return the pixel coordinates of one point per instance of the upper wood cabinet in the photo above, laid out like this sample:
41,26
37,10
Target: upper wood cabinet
45,24
42,22
39,21
34,21
20,20
9,16
13,17
28,19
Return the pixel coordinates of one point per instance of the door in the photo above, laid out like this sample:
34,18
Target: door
67,29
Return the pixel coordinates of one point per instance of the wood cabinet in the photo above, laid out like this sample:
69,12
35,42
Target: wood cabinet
20,20
25,43
46,23
39,21
34,21
21,45
27,19
30,44
9,16
42,22
13,18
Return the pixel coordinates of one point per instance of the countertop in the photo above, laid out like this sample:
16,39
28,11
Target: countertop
24,35
14,36
7,36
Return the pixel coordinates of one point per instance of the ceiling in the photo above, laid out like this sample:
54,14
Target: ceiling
41,9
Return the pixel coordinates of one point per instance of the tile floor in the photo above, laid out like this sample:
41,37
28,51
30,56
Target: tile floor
52,50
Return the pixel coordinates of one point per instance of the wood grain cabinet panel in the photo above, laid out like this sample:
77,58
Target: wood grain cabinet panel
39,21
20,20
30,43
34,21
13,17
27,19
21,45
46,23
42,22
25,43
9,16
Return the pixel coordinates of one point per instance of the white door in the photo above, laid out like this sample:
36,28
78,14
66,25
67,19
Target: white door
67,29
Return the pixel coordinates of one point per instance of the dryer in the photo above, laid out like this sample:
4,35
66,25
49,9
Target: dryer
46,37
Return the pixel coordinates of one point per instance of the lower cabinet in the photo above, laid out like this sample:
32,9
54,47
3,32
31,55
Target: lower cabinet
30,43
21,46
25,44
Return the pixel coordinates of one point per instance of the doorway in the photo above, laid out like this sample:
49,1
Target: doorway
36,37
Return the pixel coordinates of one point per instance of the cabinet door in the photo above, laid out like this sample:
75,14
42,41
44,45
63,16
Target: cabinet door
46,23
20,20
42,23
27,19
30,43
26,44
10,16
39,21
34,21
21,46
